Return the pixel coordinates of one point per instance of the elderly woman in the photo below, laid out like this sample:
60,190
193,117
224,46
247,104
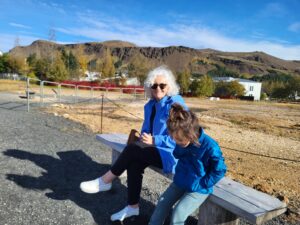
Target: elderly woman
154,148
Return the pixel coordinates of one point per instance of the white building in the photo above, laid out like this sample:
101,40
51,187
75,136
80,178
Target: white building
90,76
252,88
1,54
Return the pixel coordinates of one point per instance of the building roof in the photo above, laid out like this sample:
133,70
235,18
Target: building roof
229,79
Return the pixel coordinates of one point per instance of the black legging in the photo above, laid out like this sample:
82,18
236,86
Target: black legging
135,158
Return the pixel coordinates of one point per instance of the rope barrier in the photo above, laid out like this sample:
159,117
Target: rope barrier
250,153
256,154
116,104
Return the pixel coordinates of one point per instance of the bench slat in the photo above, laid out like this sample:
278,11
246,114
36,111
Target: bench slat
235,197
235,202
248,194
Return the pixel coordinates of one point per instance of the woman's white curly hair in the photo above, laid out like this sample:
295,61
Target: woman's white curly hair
167,74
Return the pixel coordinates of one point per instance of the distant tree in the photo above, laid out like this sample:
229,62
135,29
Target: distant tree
203,86
229,89
294,86
183,80
92,65
118,64
108,69
4,63
71,63
269,86
263,96
57,71
17,64
138,67
99,65
31,59
221,71
236,89
41,68
287,90
280,92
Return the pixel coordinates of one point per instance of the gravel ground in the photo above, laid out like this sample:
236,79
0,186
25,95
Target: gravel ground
44,158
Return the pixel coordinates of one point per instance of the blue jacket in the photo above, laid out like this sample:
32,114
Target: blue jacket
162,141
199,167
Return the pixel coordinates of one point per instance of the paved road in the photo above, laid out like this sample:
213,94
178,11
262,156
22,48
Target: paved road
44,158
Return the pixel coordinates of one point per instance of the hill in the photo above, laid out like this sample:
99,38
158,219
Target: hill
199,61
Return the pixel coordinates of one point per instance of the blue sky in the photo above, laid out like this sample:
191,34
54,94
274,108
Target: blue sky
227,25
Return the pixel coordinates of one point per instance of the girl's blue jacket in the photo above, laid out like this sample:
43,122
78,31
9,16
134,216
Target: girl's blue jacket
199,167
162,141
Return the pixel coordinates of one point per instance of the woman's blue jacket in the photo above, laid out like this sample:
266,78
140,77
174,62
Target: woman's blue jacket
162,141
199,167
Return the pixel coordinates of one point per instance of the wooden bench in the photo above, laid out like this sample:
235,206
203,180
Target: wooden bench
230,200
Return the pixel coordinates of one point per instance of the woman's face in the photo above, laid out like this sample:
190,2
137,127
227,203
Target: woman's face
160,88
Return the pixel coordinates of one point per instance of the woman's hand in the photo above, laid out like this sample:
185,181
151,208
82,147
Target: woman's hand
147,139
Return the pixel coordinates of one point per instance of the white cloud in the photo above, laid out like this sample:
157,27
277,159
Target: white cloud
7,41
180,34
295,27
19,25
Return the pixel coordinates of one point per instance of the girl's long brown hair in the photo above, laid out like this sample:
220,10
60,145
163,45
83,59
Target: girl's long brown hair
185,122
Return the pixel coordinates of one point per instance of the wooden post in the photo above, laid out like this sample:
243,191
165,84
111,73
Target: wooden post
212,214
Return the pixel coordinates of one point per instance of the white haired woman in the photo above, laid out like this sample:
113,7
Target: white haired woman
154,148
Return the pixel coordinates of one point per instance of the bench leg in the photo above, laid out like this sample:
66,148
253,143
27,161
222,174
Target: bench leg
114,156
212,214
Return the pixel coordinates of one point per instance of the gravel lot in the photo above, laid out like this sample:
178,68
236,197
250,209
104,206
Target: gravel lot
44,158
42,162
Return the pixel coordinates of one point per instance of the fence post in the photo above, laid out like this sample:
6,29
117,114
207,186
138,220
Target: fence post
27,93
76,94
135,93
102,95
41,89
59,93
42,94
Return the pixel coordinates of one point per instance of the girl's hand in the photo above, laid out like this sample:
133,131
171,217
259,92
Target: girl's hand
147,139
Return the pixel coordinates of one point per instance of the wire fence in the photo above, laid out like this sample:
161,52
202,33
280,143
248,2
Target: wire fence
139,119
49,92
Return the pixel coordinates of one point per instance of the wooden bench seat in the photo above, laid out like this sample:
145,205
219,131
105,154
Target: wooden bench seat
229,201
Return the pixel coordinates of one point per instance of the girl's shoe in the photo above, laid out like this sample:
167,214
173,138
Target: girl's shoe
124,213
94,186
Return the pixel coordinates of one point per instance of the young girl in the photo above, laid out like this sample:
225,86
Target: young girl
200,166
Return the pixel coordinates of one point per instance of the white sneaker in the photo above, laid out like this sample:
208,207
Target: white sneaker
124,213
94,186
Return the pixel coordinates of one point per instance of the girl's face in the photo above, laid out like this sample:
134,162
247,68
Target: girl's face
180,139
160,88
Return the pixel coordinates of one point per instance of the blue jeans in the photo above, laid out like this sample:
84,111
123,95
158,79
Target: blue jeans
187,203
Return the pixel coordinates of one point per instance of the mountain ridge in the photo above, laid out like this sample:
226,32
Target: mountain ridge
178,58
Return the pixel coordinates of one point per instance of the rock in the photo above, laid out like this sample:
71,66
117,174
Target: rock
264,188
283,198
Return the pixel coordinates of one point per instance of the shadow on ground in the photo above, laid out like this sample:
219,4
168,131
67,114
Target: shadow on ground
63,175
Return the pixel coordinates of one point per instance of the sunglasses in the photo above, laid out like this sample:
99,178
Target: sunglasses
161,86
